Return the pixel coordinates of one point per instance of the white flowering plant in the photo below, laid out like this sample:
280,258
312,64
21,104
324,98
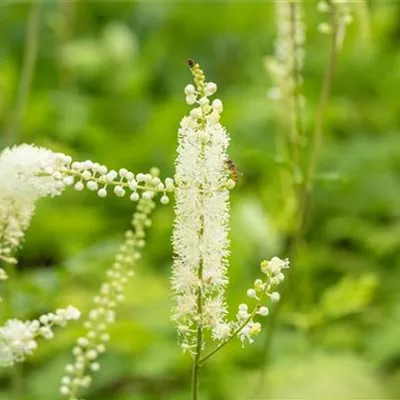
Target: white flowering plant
203,180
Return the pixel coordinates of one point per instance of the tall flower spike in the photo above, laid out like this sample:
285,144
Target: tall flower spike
91,345
200,236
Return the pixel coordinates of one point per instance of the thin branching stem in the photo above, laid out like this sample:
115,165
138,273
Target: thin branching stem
239,329
307,186
199,338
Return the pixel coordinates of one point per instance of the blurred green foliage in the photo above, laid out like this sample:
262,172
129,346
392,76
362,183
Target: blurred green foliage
108,85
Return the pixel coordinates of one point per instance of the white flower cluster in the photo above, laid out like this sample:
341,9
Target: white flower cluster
28,173
200,236
92,344
287,64
18,338
344,15
22,183
97,178
245,327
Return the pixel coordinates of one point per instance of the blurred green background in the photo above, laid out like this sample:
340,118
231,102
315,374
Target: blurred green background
108,86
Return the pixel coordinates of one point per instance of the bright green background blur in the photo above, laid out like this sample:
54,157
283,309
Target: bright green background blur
108,86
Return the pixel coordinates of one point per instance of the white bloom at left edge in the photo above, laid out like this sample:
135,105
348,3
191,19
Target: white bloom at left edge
27,173
18,338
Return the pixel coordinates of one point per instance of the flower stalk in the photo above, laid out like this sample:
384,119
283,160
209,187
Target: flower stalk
307,184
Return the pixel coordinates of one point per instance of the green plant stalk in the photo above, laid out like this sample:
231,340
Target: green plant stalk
67,14
28,69
307,185
297,126
199,337
16,378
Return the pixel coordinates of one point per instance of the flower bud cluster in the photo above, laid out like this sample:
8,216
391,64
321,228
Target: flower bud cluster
91,345
28,173
21,184
97,178
207,111
245,327
344,15
18,338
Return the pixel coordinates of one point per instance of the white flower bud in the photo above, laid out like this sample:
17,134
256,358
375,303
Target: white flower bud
217,105
325,28
275,297
79,186
140,177
210,88
102,169
64,390
190,100
94,366
57,175
119,191
102,193
92,185
133,185
204,101
190,90
82,341
86,175
68,180
164,200
251,293
169,183
323,6
230,184
134,196
147,195
196,113
122,172
130,176
263,311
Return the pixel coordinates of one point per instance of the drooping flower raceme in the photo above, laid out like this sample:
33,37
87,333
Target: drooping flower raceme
18,338
91,345
200,236
28,173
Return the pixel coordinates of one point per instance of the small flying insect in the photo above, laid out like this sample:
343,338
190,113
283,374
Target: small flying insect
231,167
191,63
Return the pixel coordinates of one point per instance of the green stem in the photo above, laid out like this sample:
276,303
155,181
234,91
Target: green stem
296,129
17,381
28,68
199,337
306,188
